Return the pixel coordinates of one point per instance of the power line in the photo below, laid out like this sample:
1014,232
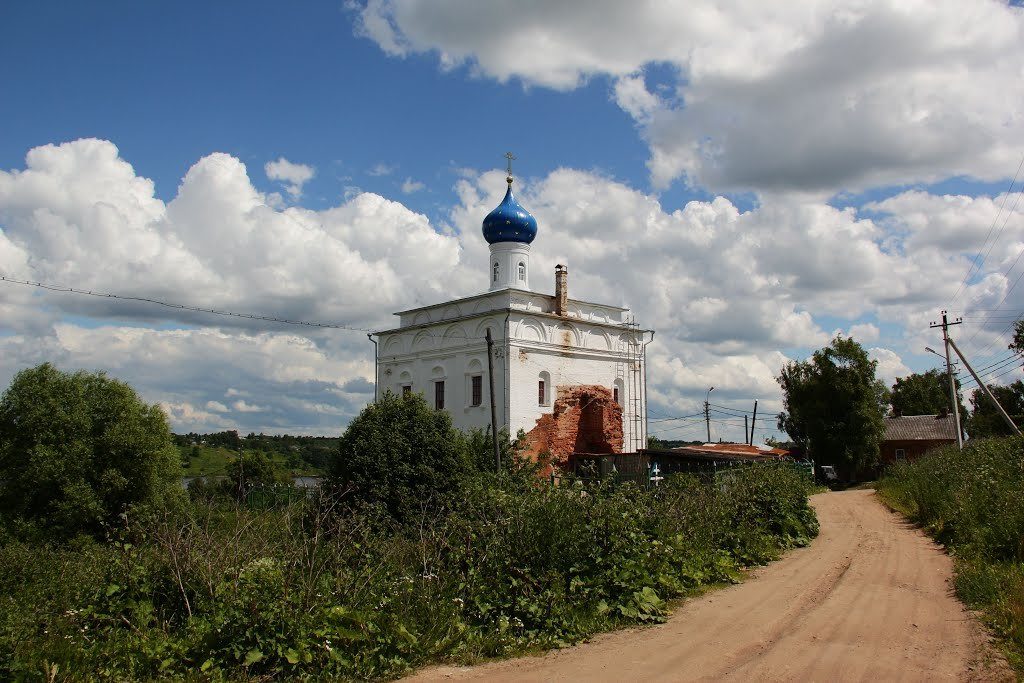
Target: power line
212,311
995,220
1008,359
1015,361
681,417
692,425
1001,374
1008,270
183,307
739,413
1002,333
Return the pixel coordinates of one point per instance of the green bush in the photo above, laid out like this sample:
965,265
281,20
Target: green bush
77,450
320,589
402,455
970,500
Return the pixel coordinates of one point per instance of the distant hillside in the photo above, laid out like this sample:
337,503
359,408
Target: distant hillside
210,454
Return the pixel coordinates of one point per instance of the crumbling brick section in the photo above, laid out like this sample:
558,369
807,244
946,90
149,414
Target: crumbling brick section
586,419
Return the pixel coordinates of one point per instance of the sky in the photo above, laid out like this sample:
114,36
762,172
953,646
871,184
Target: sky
750,178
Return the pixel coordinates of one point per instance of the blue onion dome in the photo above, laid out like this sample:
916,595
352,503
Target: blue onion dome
509,222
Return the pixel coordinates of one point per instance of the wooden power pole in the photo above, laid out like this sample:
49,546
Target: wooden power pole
987,391
949,372
494,411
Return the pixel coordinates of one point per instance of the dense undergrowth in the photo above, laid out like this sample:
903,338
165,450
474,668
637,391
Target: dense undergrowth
323,589
972,501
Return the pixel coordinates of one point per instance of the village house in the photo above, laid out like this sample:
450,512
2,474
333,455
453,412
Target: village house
571,374
908,437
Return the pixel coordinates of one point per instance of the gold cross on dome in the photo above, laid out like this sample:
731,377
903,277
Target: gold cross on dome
511,158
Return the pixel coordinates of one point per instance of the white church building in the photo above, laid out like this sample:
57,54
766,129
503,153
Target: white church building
570,374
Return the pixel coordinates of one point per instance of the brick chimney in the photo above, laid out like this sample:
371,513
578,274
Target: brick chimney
561,290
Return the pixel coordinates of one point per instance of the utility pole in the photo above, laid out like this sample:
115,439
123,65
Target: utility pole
986,390
746,430
707,412
949,373
490,383
707,420
753,423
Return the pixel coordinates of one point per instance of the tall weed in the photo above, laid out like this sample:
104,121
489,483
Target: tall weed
326,590
970,500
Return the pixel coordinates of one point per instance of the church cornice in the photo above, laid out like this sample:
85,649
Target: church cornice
510,292
621,327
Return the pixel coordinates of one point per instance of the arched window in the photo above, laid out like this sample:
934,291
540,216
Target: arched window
618,393
495,271
544,389
474,384
438,376
522,270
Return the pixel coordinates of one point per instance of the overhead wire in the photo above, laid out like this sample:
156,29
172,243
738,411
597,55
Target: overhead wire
1006,273
991,380
1015,362
210,311
995,219
184,307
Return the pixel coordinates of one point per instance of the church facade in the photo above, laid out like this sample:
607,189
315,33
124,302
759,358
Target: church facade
570,374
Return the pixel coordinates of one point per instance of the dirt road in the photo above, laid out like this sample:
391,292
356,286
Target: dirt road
870,599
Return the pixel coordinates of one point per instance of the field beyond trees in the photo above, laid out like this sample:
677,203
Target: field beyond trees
211,455
970,501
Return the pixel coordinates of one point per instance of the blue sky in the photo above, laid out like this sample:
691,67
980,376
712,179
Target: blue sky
750,180
170,83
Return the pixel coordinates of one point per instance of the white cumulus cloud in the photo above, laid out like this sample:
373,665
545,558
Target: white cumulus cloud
410,186
732,292
292,175
807,95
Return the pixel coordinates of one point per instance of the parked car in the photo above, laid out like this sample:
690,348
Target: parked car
828,473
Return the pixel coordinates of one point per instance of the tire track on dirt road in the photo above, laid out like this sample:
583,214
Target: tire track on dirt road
869,599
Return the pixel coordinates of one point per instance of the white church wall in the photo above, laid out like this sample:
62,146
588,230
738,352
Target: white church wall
454,309
452,353
569,353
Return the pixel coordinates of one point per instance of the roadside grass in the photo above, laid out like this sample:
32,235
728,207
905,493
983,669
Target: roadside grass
971,502
320,590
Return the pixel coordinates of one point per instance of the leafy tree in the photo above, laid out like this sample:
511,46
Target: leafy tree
77,450
252,469
924,393
985,419
401,454
834,405
479,449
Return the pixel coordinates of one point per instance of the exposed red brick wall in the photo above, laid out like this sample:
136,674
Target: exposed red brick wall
585,419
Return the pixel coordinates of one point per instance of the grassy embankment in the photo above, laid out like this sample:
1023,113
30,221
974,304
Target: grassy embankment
319,590
972,501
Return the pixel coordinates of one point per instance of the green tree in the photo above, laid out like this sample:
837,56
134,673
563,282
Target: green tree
402,454
1017,343
479,450
924,393
253,469
985,419
78,449
834,405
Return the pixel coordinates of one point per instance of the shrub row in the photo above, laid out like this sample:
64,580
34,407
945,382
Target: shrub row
970,500
324,590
